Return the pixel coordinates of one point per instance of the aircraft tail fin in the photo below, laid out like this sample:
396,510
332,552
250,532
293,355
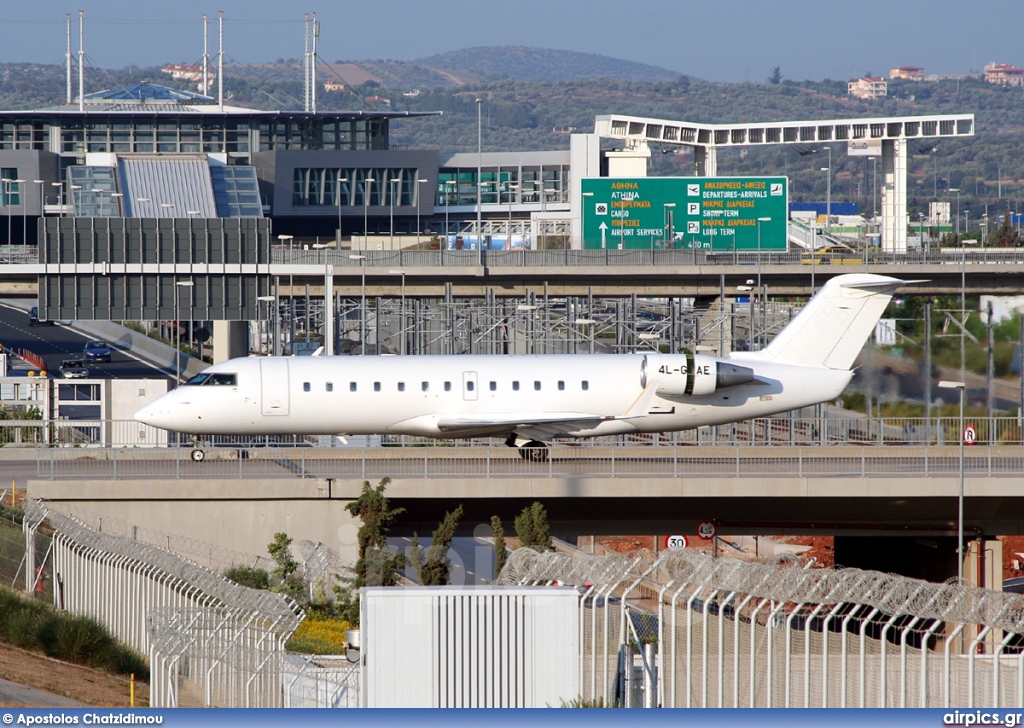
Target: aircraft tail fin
831,329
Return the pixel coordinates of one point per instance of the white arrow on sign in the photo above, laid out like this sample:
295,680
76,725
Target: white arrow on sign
604,229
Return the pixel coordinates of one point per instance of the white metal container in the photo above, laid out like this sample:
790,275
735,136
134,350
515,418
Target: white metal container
469,646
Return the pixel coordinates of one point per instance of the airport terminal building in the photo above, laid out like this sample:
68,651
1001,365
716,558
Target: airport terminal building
153,152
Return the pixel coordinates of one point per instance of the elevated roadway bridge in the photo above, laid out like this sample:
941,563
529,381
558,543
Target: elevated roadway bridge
853,491
993,271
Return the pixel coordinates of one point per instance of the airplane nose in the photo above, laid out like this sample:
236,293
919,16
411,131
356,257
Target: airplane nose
153,414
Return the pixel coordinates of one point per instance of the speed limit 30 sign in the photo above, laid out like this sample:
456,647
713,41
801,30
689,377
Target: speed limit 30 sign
676,543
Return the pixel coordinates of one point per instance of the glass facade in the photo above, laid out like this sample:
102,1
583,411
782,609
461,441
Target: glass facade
526,184
94,191
358,187
236,191
211,133
27,134
10,191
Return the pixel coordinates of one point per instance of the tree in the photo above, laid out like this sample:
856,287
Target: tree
1006,235
377,564
436,570
500,549
776,77
414,561
280,550
373,509
532,528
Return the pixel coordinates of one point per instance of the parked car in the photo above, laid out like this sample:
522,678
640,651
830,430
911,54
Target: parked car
73,369
97,351
33,318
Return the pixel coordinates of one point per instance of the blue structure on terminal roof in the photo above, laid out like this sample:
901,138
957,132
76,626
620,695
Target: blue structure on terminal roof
146,91
818,208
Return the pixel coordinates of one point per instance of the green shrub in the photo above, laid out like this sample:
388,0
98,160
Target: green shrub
32,625
76,638
22,628
248,576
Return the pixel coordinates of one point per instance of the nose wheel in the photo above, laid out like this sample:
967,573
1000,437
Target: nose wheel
198,455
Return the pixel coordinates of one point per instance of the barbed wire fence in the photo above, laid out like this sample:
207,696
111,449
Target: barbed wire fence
211,642
687,629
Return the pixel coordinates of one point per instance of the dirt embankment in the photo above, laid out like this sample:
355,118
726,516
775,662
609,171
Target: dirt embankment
75,682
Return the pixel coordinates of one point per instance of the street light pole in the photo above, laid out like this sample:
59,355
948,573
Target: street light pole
366,207
42,199
511,190
291,293
264,327
177,328
828,194
957,190
401,328
479,168
760,292
21,202
417,201
340,181
362,305
447,195
960,492
667,213
393,181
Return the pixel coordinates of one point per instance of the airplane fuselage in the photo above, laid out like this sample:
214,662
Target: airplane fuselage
464,396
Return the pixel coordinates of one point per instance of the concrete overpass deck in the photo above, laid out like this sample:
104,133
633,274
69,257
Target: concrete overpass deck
567,272
905,491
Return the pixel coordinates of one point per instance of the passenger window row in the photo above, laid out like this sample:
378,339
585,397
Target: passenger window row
425,386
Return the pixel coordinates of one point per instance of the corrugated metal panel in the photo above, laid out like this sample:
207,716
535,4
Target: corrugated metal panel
177,186
470,647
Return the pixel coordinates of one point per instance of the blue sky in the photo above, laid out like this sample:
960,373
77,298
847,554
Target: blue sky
738,40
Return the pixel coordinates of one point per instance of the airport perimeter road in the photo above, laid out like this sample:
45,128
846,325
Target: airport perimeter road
56,343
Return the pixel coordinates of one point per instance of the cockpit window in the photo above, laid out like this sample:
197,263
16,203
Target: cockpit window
216,379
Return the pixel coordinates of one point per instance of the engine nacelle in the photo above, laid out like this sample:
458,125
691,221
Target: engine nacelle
691,375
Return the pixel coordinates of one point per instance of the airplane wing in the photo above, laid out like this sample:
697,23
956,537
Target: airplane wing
532,424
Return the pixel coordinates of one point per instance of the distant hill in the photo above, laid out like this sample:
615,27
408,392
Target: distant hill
543,64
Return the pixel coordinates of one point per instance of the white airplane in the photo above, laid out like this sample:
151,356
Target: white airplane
528,399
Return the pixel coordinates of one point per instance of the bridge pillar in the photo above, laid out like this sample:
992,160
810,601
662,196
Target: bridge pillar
894,195
705,161
230,340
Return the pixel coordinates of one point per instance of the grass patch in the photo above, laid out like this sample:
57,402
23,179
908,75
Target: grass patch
319,637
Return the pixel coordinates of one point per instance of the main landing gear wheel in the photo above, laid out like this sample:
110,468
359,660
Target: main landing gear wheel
534,451
198,455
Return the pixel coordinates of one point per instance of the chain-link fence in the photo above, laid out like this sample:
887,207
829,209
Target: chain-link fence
690,630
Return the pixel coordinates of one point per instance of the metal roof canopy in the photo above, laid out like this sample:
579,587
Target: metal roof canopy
893,132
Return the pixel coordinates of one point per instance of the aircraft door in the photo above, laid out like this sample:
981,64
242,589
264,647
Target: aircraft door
274,386
469,386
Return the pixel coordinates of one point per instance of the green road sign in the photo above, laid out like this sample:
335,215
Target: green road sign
704,213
